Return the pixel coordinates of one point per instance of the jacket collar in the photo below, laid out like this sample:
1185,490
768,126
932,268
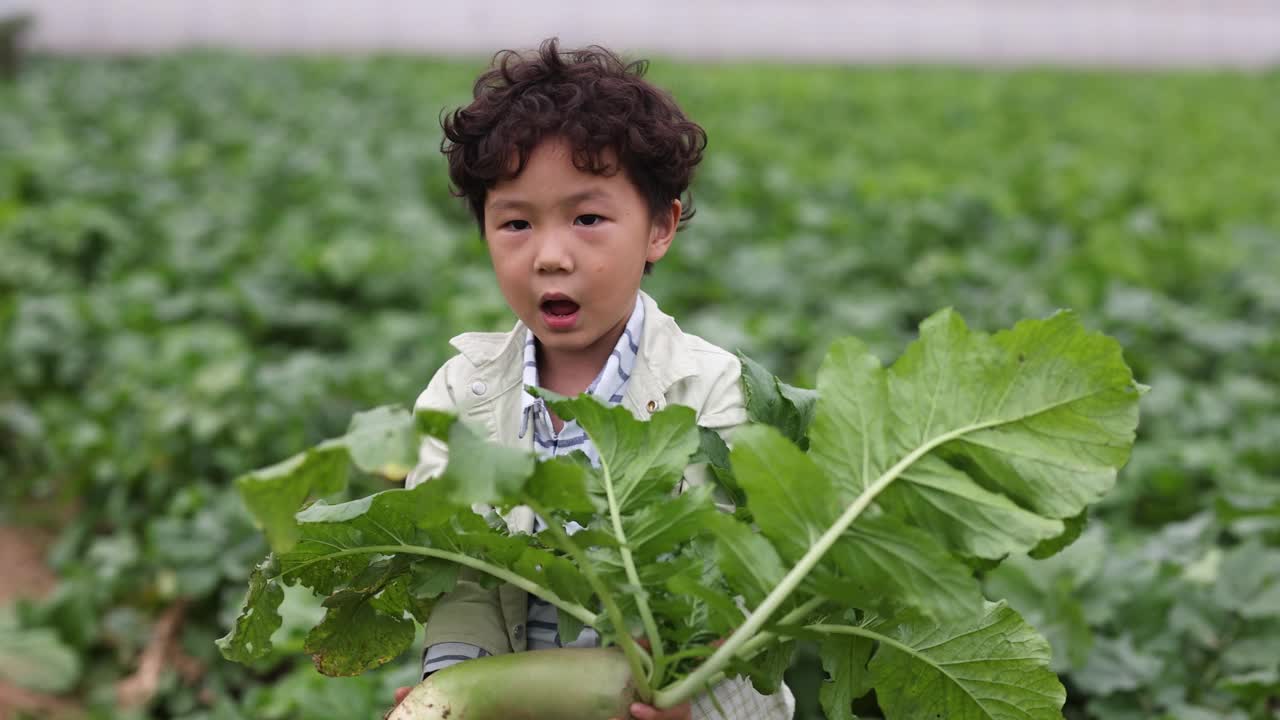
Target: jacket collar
665,358
663,361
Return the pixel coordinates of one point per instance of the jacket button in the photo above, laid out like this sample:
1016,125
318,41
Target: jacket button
653,405
518,631
479,387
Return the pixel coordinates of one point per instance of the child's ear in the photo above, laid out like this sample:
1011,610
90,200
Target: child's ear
663,231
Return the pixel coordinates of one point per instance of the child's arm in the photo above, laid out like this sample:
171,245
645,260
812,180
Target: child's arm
432,453
469,615
467,622
722,407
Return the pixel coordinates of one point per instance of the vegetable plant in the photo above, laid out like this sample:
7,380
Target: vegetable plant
862,510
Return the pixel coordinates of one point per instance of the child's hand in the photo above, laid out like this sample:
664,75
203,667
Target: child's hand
640,711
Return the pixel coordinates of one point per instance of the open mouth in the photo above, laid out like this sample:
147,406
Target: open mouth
561,308
559,312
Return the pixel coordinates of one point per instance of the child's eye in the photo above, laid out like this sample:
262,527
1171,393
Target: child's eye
588,220
516,225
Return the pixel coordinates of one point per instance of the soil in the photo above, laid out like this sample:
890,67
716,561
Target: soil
24,574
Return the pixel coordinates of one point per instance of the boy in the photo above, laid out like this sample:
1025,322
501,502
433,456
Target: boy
573,167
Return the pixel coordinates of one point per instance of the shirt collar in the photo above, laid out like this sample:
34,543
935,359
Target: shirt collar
611,382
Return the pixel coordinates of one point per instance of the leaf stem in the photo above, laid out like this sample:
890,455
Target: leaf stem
698,651
869,634
691,683
636,657
882,639
757,643
749,648
633,576
581,613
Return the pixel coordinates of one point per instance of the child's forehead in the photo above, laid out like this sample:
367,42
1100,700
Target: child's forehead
515,200
554,170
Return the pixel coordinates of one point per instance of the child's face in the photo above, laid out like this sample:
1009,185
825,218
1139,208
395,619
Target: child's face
569,249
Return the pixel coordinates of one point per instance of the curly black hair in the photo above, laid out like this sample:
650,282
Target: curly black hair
593,99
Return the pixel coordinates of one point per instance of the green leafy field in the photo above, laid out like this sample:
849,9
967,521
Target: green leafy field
208,263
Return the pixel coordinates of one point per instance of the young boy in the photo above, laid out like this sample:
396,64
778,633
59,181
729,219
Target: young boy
574,167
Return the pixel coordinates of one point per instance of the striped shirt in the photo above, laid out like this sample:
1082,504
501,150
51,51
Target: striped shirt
736,695
608,387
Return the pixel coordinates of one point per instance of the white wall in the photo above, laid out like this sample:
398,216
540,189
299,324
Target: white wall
1106,32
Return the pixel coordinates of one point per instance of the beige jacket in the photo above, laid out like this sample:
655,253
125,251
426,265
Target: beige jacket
483,384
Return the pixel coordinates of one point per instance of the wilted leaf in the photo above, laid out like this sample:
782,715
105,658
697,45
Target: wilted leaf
250,637
354,636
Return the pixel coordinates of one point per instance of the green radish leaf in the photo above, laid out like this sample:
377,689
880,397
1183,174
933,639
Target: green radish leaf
555,572
877,563
661,527
968,448
394,584
992,668
715,608
392,597
381,572
482,472
250,637
772,402
383,441
643,460
994,439
714,451
355,636
844,659
640,464
769,667
434,423
1048,595
560,484
749,563
433,577
991,525
568,626
1073,527
273,494
327,555
343,549
790,497
883,563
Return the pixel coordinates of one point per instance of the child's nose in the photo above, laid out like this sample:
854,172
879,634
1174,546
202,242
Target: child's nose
553,254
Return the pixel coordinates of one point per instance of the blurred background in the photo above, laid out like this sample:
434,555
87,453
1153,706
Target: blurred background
225,227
